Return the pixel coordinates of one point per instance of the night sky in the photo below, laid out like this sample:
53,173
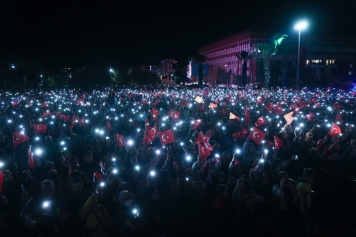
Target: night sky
99,33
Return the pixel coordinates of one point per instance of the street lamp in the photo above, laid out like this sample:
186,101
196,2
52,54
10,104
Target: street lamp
299,26
41,76
111,70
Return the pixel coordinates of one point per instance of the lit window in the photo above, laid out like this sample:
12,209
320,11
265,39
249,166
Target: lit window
307,62
350,73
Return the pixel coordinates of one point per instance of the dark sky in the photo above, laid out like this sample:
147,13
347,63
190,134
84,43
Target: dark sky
76,33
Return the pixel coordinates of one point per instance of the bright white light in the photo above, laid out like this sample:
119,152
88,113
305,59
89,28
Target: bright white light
137,167
38,152
158,152
102,184
45,204
152,173
188,158
114,171
237,151
1,164
265,151
134,211
37,138
130,142
301,25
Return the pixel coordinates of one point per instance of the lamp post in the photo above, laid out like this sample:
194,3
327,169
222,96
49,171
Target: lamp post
299,26
41,76
111,70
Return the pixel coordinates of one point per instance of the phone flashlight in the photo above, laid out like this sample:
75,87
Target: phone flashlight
158,152
152,173
188,158
102,184
46,204
114,171
137,167
237,151
130,142
38,152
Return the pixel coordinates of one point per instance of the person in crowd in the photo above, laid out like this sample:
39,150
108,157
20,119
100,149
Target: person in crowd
142,168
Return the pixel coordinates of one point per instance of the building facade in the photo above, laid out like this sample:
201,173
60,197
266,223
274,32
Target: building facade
320,58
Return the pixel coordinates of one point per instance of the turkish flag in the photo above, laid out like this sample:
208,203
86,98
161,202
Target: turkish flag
233,116
40,128
289,118
260,121
269,107
278,143
269,143
203,151
183,102
247,117
45,114
338,118
74,120
310,116
155,113
153,131
31,160
213,106
204,139
174,115
19,138
15,103
244,134
236,135
278,110
334,130
108,126
44,106
257,135
166,137
120,140
64,117
196,124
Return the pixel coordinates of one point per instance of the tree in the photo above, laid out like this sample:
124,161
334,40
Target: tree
142,76
244,55
284,50
266,50
200,59
212,75
51,81
180,74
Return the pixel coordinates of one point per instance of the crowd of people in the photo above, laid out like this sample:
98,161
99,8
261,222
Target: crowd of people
119,161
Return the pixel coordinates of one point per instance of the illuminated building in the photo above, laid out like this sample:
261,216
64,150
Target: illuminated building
321,58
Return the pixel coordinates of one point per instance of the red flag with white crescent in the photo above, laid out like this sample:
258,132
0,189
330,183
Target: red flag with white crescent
120,140
260,121
334,130
257,135
40,128
166,137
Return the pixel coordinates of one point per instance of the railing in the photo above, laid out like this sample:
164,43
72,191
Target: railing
261,219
